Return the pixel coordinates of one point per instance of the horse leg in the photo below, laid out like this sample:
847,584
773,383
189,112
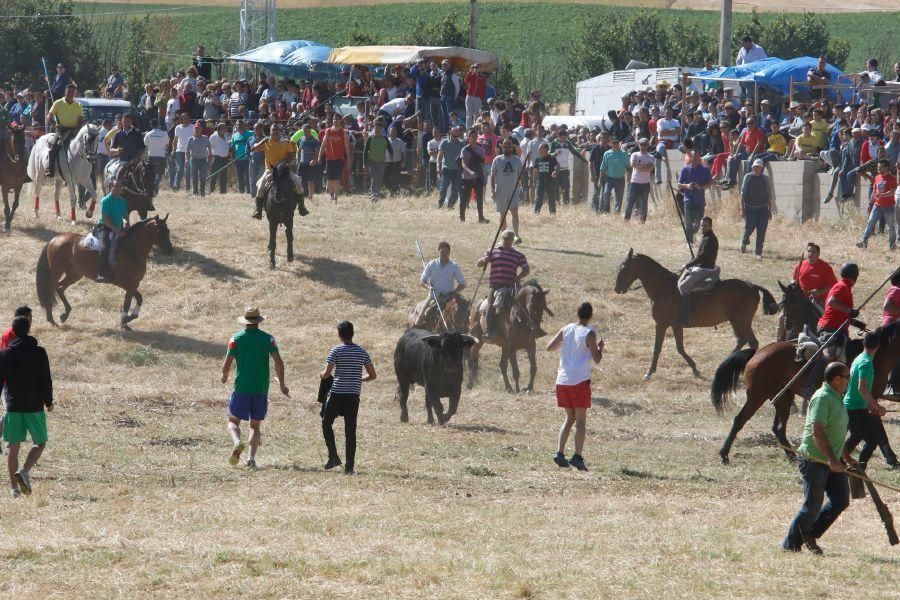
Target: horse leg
657,348
70,278
779,423
57,189
289,236
273,229
515,367
747,411
7,215
123,319
139,300
15,206
532,366
679,345
36,189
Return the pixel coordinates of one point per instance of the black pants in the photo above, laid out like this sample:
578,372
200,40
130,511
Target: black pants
465,192
347,406
869,429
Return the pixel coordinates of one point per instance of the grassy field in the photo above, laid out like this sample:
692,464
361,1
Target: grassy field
135,498
505,28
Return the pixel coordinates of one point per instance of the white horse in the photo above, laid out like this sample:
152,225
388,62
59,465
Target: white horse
73,168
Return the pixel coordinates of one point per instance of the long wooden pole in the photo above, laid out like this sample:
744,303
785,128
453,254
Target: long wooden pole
865,478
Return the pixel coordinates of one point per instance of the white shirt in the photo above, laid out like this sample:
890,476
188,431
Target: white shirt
394,107
442,277
398,146
638,158
172,108
156,141
182,134
101,147
664,124
219,144
575,359
433,147
752,55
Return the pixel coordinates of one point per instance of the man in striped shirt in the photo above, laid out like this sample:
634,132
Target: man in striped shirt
508,268
345,363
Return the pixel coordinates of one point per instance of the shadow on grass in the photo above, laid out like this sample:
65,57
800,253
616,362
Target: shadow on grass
39,233
476,428
618,408
567,252
641,474
170,342
349,277
209,267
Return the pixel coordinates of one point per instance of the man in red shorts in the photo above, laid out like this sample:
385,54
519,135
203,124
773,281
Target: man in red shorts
579,345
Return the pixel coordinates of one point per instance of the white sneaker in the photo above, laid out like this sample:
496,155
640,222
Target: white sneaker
15,492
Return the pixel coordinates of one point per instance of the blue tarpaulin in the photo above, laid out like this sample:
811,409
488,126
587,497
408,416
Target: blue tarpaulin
300,59
773,73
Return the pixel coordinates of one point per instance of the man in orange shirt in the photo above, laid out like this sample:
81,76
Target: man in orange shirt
882,205
751,143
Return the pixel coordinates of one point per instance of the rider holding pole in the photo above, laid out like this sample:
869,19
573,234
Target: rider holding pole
506,263
68,116
276,150
442,276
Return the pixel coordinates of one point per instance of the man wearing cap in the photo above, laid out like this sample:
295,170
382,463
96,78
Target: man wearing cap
508,268
757,206
695,271
68,116
251,348
693,181
25,369
60,81
642,166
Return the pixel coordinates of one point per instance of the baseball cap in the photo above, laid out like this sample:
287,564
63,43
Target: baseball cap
643,142
509,233
758,163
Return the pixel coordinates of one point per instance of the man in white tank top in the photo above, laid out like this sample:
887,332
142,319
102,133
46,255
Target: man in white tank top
580,349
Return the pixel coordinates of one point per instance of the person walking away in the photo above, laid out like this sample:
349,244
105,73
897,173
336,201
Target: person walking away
579,345
393,172
8,336
505,172
219,145
334,154
823,440
448,168
375,154
642,166
112,224
547,168
445,278
883,203
251,349
863,411
276,150
476,91
564,151
508,268
157,142
197,152
471,159
25,369
345,362
695,271
757,206
693,181
615,167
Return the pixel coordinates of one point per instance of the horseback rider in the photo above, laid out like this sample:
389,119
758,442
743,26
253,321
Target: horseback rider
127,146
701,268
276,150
444,277
815,278
68,116
508,268
111,225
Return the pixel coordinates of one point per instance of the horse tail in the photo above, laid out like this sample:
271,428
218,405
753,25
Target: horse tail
44,279
728,377
770,305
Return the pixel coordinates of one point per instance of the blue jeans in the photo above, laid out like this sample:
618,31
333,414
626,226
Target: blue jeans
813,521
758,219
198,175
692,215
243,172
159,165
611,184
376,177
876,215
257,166
733,163
548,188
450,180
447,106
638,195
180,164
428,179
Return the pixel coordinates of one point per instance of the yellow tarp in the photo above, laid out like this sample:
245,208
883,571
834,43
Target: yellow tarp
461,58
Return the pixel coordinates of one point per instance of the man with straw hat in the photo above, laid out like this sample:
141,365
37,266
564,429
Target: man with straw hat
251,349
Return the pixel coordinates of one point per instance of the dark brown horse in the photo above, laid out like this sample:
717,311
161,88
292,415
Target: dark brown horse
730,300
64,261
281,202
139,180
519,331
456,312
13,175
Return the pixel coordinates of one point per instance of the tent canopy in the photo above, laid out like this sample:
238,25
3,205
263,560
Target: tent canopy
461,58
770,72
300,59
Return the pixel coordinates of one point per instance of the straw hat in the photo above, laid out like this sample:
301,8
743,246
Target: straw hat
251,316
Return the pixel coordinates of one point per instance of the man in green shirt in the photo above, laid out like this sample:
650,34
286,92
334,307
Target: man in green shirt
251,349
113,220
823,442
375,155
615,166
863,411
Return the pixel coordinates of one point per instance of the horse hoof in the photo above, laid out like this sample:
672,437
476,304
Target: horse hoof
130,318
89,214
648,376
290,258
272,266
53,323
724,458
64,317
73,223
509,390
404,418
59,217
696,373
34,215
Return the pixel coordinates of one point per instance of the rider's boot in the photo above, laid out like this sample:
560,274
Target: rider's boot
103,274
51,164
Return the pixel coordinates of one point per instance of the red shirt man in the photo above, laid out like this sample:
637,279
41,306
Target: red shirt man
476,84
9,334
839,305
753,139
814,275
884,187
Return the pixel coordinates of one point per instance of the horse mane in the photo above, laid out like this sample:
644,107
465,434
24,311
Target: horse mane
887,333
653,263
533,283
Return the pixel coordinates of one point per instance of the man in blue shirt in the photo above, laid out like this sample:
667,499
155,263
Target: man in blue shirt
112,223
693,182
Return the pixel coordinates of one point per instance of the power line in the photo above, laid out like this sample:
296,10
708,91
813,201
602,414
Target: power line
103,14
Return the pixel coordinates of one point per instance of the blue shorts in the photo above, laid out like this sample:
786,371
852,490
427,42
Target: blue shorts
247,407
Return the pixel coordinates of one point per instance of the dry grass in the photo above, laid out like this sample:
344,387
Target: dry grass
135,497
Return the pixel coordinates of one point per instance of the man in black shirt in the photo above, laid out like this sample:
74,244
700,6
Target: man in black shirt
546,169
26,370
702,267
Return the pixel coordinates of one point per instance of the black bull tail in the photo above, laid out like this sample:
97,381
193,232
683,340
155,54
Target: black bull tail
728,377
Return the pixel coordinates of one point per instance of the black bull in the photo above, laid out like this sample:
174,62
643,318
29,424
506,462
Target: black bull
434,361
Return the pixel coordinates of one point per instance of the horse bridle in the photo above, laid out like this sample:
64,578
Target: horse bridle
137,191
84,153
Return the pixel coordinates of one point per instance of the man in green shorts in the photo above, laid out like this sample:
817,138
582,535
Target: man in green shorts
251,349
26,370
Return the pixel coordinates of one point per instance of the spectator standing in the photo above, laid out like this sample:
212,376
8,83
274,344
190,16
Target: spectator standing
471,161
335,153
476,91
345,363
257,157
580,349
749,52
595,160
375,156
883,203
546,169
240,147
395,160
25,369
615,166
115,84
752,141
565,152
183,134
197,151
757,206
448,168
505,179
642,165
219,144
157,142
693,181
60,81
308,166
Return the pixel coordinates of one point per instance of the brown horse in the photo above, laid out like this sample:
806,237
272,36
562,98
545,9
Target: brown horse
518,331
13,175
139,180
730,300
64,261
456,312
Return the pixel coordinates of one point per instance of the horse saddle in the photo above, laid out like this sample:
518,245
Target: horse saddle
92,242
708,285
503,298
807,344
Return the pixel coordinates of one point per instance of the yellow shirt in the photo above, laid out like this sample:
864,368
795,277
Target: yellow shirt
276,152
68,115
820,131
777,144
808,143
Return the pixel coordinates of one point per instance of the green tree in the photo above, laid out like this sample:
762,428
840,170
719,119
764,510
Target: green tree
439,32
504,80
689,44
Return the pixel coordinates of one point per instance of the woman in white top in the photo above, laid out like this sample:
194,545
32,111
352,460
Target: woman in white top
580,349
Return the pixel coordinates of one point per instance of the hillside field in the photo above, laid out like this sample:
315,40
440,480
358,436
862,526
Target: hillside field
134,496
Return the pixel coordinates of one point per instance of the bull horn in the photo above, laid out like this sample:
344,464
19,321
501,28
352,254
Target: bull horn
166,218
781,285
548,311
434,337
469,338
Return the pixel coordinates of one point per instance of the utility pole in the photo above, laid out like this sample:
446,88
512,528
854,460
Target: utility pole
473,23
725,34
